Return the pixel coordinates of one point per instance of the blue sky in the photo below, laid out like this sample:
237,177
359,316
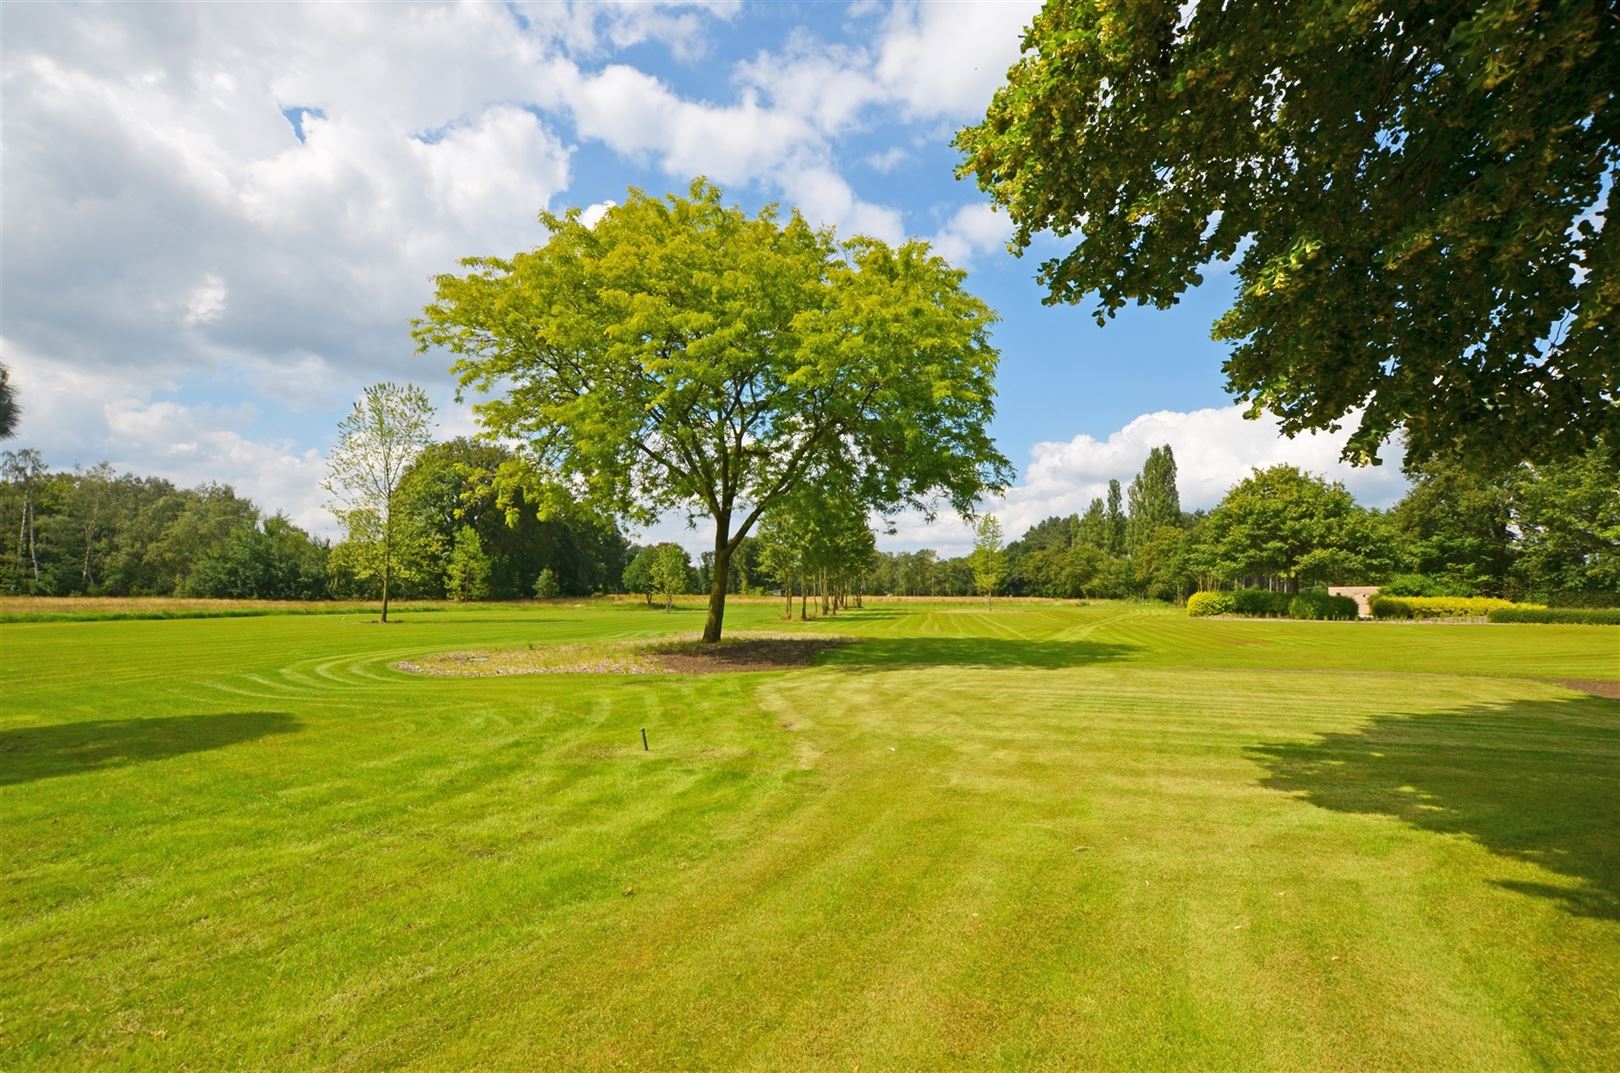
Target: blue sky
221,217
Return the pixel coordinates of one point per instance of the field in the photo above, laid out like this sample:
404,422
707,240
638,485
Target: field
1044,837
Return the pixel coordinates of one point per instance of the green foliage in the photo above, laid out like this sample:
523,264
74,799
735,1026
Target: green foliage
1568,519
378,440
1114,524
680,355
989,558
1455,528
1162,564
1293,526
1441,607
1155,503
1413,196
1419,585
670,570
1211,603
1260,603
10,413
545,586
638,573
1584,599
467,574
1320,605
1574,616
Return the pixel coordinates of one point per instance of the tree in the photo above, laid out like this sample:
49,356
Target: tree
545,586
680,355
1290,526
1568,517
1455,525
1414,196
1114,521
1153,498
389,426
1091,528
10,414
26,470
671,571
638,576
989,560
466,576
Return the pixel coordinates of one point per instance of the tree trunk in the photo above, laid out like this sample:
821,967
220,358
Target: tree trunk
388,553
718,579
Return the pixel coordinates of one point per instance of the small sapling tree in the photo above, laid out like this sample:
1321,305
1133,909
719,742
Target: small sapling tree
989,558
388,427
671,570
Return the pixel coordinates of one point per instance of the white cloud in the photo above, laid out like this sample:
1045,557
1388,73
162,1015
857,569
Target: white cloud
945,60
886,161
972,229
207,301
1214,449
593,214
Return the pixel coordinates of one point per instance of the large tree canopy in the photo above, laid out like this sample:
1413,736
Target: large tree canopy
679,354
1414,195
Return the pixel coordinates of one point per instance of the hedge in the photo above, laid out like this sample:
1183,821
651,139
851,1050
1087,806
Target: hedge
1210,603
1431,607
1261,603
1319,605
1579,616
1584,599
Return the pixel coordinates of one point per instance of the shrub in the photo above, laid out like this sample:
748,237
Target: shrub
545,586
1260,603
1435,607
1575,616
1319,605
1421,585
1584,599
1209,603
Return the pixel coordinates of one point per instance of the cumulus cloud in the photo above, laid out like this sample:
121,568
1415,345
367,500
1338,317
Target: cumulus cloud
1214,449
945,60
972,229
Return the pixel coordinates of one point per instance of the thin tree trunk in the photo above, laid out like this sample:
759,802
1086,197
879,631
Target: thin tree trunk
388,562
718,581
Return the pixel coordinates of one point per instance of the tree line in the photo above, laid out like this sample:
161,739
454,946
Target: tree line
1530,532
94,531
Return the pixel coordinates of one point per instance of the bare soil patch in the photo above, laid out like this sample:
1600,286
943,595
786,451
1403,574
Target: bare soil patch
1597,687
684,655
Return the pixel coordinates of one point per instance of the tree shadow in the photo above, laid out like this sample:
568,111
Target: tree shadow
1535,781
869,653
32,753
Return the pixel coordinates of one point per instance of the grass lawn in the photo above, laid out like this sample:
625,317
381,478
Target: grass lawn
1044,837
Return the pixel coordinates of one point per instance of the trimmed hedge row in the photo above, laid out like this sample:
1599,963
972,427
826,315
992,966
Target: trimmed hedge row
1319,605
1261,603
1578,616
1430,607
1584,599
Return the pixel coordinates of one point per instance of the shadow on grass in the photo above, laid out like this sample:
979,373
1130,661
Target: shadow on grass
1535,781
32,753
870,653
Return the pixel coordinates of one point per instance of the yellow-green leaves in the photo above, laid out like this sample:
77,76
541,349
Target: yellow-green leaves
680,354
